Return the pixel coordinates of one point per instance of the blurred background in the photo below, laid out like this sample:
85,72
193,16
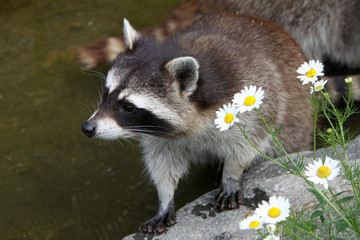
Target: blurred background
55,183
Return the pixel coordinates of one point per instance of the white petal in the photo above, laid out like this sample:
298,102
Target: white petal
217,121
301,70
326,185
318,164
222,111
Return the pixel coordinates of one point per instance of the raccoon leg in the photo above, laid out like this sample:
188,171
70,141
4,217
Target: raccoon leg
166,213
166,167
230,194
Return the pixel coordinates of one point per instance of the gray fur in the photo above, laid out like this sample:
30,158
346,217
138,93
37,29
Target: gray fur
324,29
185,67
221,54
327,30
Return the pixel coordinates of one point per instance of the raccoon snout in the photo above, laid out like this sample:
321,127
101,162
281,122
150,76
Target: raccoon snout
88,128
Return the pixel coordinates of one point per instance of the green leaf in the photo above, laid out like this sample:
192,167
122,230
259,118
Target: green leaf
339,193
346,199
317,195
340,225
319,206
317,213
322,219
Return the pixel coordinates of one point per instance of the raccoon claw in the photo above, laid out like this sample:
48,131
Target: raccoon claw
158,224
226,200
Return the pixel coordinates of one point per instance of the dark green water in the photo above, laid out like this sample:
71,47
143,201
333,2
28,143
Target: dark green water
55,183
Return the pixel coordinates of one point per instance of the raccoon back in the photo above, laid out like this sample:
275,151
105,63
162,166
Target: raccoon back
236,51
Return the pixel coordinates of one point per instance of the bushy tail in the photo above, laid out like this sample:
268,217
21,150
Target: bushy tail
105,50
100,52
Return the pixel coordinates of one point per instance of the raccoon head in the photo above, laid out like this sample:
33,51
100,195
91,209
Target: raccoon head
147,91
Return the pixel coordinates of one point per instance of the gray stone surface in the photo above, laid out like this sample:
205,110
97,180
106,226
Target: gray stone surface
199,221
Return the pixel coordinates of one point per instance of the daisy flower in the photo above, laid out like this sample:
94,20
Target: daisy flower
276,210
321,173
272,237
252,222
318,85
310,71
226,117
271,228
248,98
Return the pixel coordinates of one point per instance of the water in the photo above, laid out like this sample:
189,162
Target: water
55,183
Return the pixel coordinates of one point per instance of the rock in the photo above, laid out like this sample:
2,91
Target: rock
199,220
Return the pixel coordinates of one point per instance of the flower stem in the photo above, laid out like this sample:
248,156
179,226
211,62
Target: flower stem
256,148
332,206
337,202
342,141
315,120
277,140
308,233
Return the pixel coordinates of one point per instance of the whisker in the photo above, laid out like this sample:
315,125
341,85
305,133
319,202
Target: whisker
147,131
130,142
150,126
110,145
93,73
142,140
119,142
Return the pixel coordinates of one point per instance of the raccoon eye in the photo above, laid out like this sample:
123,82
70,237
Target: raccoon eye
128,107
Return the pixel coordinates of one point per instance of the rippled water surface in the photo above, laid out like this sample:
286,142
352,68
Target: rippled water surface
54,182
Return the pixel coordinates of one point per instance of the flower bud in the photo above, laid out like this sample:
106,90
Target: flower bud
271,228
348,80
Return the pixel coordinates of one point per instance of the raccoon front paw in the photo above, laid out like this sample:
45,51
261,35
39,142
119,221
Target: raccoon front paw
228,200
159,223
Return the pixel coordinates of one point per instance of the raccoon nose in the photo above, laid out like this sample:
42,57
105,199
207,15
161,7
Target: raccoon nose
88,128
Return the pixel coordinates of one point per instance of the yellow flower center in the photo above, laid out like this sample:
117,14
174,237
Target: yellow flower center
274,212
250,100
311,73
323,172
254,224
229,118
319,87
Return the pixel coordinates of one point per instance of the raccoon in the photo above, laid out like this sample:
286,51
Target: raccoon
328,30
167,94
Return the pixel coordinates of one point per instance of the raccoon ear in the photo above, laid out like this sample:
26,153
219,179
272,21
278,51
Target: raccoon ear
130,35
186,71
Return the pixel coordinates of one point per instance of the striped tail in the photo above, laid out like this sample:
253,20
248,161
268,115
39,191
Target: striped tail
105,50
